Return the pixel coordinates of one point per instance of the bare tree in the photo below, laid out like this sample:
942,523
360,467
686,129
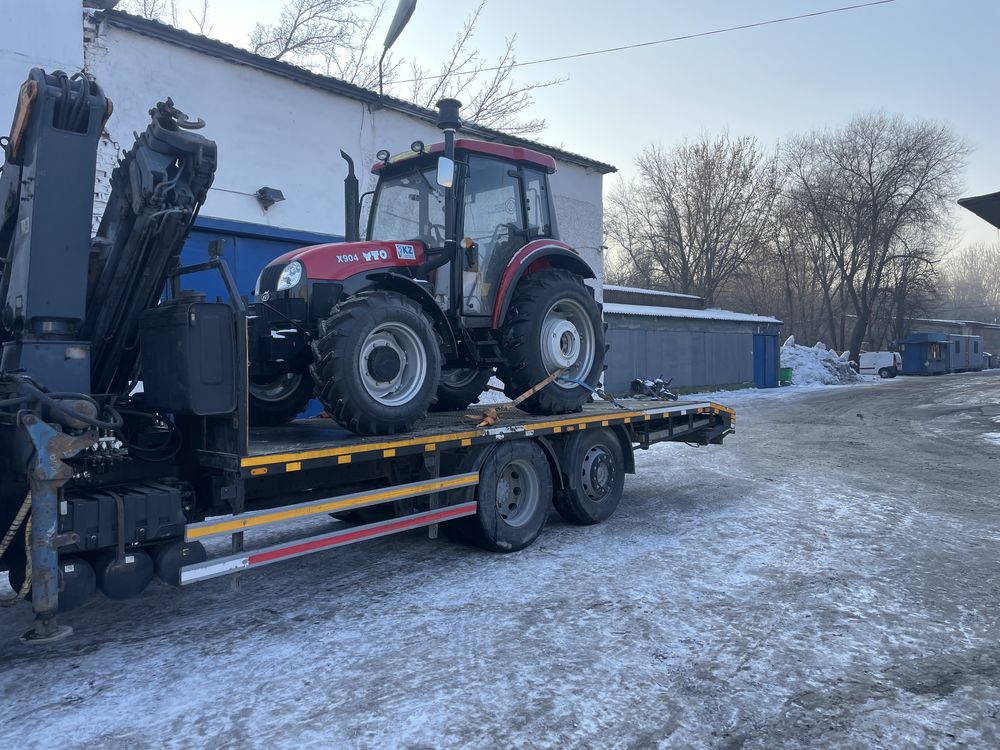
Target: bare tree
200,19
869,188
156,10
705,210
307,30
972,283
340,37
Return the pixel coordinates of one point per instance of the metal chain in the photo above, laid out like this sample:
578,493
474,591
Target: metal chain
22,513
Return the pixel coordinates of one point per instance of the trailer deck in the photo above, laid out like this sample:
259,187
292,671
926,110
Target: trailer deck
314,443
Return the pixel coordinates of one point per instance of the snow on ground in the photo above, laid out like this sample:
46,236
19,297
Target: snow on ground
808,584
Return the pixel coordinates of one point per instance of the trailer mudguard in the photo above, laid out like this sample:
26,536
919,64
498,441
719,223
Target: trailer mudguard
534,256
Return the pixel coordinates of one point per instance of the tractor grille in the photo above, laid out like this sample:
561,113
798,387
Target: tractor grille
268,281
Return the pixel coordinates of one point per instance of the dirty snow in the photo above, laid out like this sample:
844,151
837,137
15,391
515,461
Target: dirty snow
808,584
817,365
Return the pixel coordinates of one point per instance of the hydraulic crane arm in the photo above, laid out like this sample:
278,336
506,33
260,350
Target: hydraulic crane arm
156,192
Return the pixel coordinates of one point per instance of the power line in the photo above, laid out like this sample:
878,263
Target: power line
713,32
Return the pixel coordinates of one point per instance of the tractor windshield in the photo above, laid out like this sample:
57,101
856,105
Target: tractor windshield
409,206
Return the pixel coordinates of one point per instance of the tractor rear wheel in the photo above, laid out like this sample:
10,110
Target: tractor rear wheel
276,401
553,324
377,363
461,386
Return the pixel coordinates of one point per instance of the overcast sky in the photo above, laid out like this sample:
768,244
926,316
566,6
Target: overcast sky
920,58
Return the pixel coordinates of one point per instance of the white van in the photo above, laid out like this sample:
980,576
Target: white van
883,364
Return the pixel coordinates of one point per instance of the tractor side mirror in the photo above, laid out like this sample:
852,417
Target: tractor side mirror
445,172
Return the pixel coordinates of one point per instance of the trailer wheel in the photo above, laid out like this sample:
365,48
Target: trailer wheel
461,386
884,373
514,496
593,465
553,323
277,401
378,364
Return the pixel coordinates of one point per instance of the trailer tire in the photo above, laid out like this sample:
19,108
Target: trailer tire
360,328
553,323
593,467
514,496
460,387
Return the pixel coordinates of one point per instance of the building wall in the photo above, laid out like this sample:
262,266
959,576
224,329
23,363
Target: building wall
280,133
36,34
695,353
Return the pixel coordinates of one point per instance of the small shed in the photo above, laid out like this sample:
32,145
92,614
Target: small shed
926,353
697,348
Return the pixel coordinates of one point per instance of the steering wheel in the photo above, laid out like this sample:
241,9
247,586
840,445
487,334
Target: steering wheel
495,239
436,232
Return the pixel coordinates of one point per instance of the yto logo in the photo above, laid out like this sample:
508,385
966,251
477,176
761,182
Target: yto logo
406,252
372,255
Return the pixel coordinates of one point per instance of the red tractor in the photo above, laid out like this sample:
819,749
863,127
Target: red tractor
461,273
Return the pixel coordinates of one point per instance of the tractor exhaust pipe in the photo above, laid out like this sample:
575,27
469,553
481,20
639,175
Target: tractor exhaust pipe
352,204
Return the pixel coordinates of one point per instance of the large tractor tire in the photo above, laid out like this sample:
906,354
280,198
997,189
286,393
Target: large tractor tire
460,387
553,323
377,363
277,401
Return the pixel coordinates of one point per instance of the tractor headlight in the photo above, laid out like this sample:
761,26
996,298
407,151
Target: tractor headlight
290,276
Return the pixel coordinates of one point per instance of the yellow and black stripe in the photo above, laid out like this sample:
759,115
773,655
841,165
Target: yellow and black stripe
285,462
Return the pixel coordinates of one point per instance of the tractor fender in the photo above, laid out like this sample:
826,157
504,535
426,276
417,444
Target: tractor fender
532,257
404,285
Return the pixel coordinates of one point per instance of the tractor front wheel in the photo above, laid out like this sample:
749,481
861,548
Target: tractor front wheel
461,386
377,363
553,324
278,400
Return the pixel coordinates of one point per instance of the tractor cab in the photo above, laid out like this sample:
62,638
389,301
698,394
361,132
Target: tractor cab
503,203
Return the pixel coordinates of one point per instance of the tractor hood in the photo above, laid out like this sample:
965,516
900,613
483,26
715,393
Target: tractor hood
340,260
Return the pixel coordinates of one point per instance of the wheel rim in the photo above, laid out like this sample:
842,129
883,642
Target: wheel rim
277,389
519,492
598,473
459,377
406,351
567,342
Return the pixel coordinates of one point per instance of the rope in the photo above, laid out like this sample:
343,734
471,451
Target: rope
22,513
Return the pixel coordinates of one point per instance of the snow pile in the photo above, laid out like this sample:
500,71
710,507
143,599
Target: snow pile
817,365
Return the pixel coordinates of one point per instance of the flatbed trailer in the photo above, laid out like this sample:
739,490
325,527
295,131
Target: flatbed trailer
380,486
104,486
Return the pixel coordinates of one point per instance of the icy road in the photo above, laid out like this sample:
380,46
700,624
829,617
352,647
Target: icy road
828,578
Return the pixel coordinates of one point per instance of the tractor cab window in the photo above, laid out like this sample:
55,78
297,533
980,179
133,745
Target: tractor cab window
492,213
493,218
409,206
536,203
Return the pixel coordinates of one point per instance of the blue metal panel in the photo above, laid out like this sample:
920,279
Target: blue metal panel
248,248
765,360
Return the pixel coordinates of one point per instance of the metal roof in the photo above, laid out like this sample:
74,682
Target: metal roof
654,292
615,308
239,56
986,207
